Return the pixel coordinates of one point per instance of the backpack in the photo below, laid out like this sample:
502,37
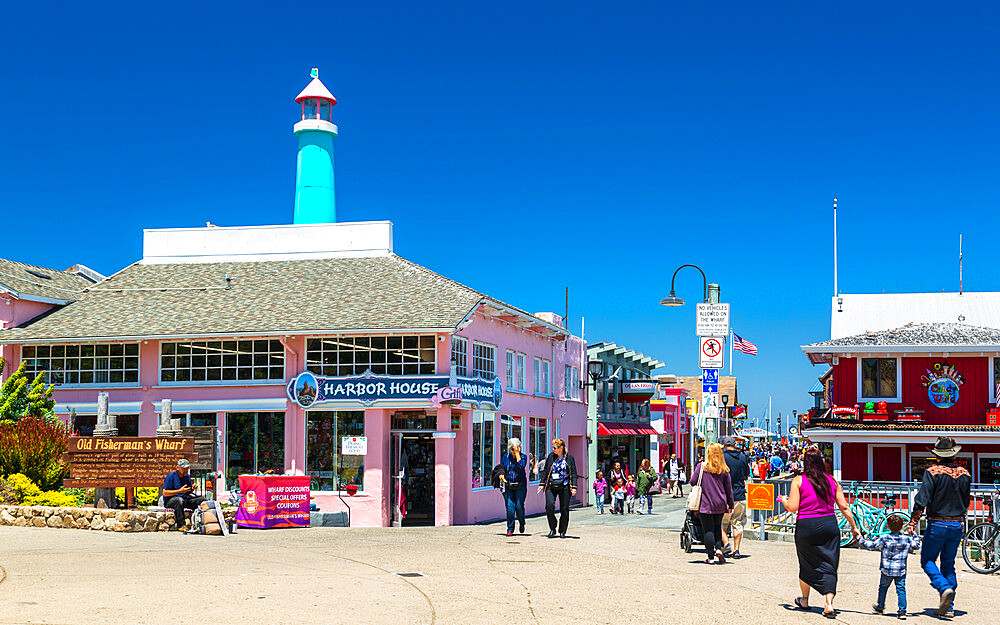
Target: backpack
207,519
495,476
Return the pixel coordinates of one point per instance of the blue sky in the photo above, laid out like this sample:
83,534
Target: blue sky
522,149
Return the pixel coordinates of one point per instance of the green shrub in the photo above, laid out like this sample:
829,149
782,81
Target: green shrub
22,487
21,397
33,446
55,498
84,495
144,496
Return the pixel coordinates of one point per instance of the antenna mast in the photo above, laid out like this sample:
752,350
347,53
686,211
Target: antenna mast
960,264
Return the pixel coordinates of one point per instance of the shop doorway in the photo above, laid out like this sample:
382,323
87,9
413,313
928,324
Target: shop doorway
412,478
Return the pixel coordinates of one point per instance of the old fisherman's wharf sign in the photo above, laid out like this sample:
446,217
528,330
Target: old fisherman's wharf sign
309,390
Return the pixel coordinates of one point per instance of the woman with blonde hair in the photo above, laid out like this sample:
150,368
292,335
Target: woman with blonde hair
716,499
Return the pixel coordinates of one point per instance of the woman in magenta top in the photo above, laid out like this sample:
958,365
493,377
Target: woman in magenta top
817,537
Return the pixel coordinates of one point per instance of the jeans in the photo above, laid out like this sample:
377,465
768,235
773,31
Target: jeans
178,503
600,503
646,501
711,526
551,494
883,588
515,505
941,539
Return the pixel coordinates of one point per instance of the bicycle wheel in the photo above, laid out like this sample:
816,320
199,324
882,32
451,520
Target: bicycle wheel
846,537
883,524
981,548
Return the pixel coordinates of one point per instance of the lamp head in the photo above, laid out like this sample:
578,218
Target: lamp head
672,300
725,400
595,368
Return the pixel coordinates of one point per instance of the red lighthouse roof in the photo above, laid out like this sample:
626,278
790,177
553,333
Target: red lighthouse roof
316,89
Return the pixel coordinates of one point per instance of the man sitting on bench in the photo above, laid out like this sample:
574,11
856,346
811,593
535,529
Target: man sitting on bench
178,493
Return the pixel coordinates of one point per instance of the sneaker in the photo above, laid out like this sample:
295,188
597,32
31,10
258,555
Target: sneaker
947,595
728,549
510,533
736,555
901,616
521,527
552,534
877,609
721,557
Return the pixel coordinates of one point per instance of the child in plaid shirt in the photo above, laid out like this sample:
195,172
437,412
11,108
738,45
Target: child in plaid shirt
894,547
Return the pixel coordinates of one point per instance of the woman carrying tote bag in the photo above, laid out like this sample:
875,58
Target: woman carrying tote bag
712,497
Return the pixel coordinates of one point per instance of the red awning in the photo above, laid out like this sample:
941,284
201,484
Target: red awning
624,429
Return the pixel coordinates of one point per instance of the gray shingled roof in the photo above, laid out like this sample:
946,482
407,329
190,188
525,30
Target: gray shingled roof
930,334
44,282
339,294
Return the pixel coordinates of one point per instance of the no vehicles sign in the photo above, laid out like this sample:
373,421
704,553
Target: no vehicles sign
712,320
710,352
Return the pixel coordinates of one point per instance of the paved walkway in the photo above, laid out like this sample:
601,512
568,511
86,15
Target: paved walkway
602,574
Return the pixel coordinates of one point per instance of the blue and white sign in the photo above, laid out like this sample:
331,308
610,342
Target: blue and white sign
309,390
709,380
943,392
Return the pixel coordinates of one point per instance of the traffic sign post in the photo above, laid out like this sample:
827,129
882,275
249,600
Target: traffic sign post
712,320
710,352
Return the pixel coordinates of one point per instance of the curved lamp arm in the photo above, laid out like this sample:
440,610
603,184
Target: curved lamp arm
704,279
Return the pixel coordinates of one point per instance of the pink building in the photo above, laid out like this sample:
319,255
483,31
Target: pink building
223,322
289,338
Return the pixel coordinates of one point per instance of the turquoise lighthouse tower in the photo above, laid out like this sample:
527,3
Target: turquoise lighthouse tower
314,189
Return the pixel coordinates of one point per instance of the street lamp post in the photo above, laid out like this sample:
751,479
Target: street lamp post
710,295
725,404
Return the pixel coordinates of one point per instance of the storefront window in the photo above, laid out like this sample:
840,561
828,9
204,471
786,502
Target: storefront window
83,364
460,355
215,361
878,378
538,434
383,355
482,447
198,419
989,470
511,427
325,464
414,420
83,425
919,464
255,443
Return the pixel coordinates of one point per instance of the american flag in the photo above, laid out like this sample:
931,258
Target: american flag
744,345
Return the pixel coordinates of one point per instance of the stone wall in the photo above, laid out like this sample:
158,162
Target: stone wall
97,519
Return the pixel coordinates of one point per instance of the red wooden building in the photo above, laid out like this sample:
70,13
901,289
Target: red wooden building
893,392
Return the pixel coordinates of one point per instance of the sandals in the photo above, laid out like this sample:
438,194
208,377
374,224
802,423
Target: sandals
800,603
831,614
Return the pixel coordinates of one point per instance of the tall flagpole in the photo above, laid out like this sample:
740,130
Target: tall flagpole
730,352
836,288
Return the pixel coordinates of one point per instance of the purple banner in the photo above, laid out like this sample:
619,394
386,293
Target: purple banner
274,501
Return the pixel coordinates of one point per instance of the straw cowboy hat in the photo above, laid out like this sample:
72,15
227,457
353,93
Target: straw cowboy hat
945,447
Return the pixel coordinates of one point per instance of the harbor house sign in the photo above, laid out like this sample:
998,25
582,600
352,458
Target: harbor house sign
309,390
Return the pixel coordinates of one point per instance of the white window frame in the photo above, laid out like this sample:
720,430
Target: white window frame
899,380
978,478
991,392
462,367
902,460
538,374
547,377
519,373
511,369
575,383
49,371
476,372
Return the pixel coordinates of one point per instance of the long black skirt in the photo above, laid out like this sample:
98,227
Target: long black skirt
817,542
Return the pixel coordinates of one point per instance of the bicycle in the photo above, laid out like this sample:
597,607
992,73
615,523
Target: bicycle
981,544
872,521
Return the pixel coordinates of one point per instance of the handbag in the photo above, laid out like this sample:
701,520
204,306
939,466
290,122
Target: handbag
694,497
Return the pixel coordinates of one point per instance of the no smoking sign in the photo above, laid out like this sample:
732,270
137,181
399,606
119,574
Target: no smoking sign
710,352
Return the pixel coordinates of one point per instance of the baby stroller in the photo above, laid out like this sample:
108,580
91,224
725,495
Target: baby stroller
691,533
